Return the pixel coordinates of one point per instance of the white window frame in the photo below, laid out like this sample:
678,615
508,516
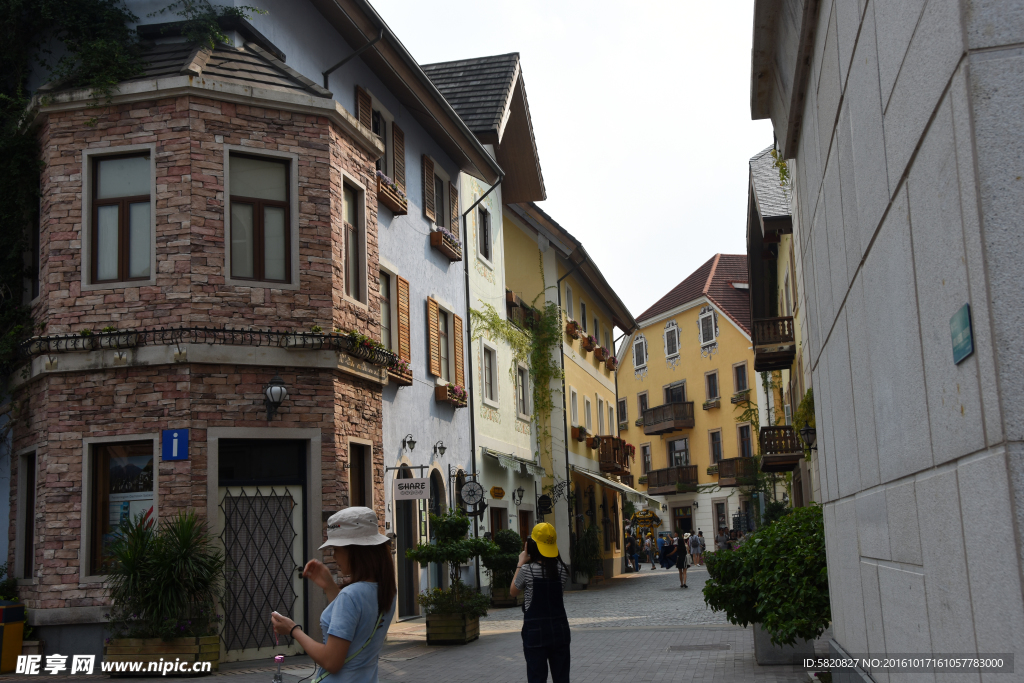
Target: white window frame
574,408
88,467
588,422
88,179
481,212
600,416
700,326
521,372
486,347
568,302
611,419
640,340
671,330
293,217
622,409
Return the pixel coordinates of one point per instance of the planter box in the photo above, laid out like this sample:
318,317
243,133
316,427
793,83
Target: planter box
611,363
446,245
194,649
37,345
708,405
399,378
572,328
443,395
601,354
741,396
579,434
388,197
767,654
452,629
75,344
587,345
500,597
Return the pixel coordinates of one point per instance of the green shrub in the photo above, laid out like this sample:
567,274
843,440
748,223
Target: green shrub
773,510
8,585
453,547
463,600
502,562
586,551
164,581
778,579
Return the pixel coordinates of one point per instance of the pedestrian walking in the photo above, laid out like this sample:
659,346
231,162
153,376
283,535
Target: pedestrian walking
672,550
721,540
703,547
635,556
661,550
694,543
630,548
649,548
683,561
541,574
356,619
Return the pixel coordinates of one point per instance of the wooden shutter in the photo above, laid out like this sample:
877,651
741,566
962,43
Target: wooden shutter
453,196
428,188
460,375
364,108
434,337
398,158
404,345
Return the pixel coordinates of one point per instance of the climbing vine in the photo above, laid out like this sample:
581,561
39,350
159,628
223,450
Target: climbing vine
782,167
534,347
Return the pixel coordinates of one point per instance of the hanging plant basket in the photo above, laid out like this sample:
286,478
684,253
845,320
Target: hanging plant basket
601,354
572,329
611,363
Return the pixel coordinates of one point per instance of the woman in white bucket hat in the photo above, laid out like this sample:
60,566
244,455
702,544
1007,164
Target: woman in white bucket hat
356,621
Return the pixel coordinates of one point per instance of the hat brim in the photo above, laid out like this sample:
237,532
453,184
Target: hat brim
547,549
376,539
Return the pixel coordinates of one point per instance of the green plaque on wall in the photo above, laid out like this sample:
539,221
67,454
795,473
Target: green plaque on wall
961,334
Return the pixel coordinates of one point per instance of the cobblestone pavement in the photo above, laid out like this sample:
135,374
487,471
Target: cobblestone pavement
636,628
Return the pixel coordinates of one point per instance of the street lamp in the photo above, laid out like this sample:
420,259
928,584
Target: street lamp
274,394
517,496
439,448
808,434
409,442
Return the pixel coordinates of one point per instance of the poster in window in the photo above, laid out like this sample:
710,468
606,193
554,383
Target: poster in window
126,490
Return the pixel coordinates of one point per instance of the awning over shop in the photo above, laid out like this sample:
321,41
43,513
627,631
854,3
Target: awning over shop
514,464
632,495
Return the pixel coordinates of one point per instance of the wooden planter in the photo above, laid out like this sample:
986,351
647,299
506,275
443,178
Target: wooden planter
452,629
611,363
446,245
442,394
572,328
579,433
194,649
586,345
402,379
500,597
388,197
601,354
708,405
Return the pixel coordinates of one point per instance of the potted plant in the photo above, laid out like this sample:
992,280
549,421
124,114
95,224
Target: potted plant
451,393
612,363
712,403
447,243
588,343
586,554
164,581
501,564
572,329
579,433
601,354
453,613
776,580
314,339
391,195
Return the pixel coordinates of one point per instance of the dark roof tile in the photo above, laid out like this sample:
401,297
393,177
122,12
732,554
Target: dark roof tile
713,279
478,89
772,199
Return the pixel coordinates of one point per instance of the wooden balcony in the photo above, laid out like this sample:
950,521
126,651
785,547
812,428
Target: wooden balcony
781,450
612,455
736,472
774,344
670,417
672,480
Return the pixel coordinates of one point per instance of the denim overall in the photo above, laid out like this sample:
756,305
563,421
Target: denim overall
546,633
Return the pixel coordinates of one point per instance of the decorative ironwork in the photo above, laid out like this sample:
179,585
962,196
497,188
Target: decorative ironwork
562,489
260,567
125,339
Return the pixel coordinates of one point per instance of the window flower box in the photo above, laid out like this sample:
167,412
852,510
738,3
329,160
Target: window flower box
740,396
611,363
400,373
713,469
452,394
572,329
639,422
391,196
594,441
446,243
579,433
715,403
601,354
588,343
84,342
642,479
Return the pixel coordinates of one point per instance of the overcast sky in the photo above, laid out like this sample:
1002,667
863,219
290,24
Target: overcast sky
642,118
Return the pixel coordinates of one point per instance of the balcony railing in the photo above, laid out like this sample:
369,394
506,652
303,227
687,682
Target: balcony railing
626,479
774,344
670,417
781,449
672,479
736,472
612,455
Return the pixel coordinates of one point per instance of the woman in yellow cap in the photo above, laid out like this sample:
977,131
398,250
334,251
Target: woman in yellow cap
541,574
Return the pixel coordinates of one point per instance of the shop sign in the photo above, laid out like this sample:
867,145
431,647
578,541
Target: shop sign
412,489
175,444
544,505
497,493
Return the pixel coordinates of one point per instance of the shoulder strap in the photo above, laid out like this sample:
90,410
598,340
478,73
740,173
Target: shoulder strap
323,673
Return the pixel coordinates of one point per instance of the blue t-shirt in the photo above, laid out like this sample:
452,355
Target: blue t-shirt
351,616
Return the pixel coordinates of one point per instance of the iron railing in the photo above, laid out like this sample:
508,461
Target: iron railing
126,339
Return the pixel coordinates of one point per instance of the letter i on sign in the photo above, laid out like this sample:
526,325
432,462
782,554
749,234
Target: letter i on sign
175,444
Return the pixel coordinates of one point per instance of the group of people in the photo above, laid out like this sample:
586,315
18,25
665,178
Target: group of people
670,550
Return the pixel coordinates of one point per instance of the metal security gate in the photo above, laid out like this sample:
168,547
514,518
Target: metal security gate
262,536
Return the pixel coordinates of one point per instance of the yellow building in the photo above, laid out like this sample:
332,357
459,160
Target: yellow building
584,487
686,378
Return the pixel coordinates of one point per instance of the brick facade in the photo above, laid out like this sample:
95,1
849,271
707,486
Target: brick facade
54,412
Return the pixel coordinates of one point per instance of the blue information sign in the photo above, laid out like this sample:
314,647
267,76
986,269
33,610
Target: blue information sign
175,444
961,334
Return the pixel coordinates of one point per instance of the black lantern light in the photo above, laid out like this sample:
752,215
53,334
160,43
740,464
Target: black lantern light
809,436
409,442
517,496
439,448
274,395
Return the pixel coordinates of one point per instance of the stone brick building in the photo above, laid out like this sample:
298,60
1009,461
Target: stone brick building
209,232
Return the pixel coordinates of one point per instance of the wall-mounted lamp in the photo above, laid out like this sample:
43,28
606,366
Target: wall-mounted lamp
409,442
439,448
810,437
517,496
696,504
273,395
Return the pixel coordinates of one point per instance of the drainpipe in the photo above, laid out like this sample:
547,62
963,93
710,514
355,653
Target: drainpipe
352,56
469,365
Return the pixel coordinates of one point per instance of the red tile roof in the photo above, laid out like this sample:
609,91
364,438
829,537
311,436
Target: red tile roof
712,280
